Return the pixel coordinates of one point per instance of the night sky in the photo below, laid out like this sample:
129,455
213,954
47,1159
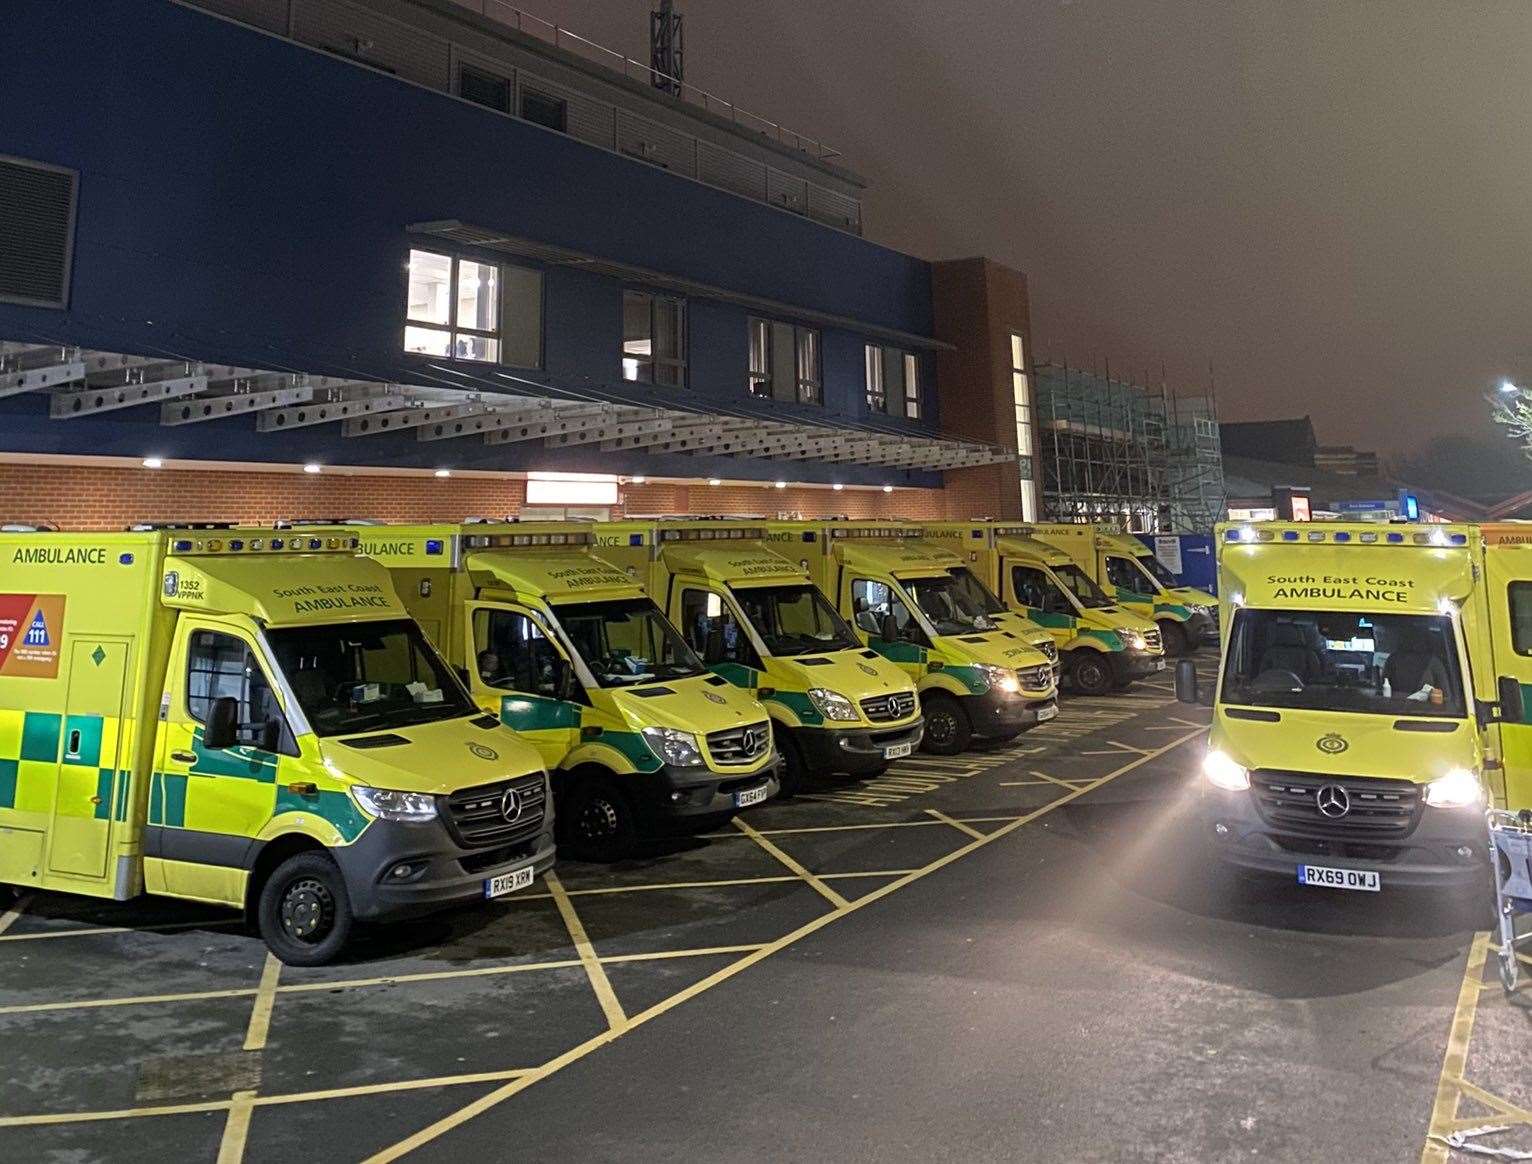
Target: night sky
1328,202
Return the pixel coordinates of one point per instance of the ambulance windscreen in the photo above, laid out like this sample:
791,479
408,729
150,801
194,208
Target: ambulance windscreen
1156,570
950,607
627,642
1084,588
975,592
1387,664
367,677
791,620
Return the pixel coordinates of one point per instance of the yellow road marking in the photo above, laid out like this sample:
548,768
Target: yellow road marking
8,918
616,1019
485,1102
1446,1106
824,890
90,931
1505,1110
1062,783
265,996
720,883
957,824
130,1000
236,1129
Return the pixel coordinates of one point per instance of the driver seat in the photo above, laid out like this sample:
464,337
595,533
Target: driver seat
1287,649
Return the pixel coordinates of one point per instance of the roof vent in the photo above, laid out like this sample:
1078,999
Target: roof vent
37,204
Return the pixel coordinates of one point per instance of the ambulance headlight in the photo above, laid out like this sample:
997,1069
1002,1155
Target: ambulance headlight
832,704
1459,788
402,806
676,748
1000,678
1135,640
1224,773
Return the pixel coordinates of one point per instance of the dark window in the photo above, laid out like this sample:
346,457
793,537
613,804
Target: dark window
220,666
1034,588
37,205
1520,596
712,630
1122,574
484,88
872,602
545,110
514,654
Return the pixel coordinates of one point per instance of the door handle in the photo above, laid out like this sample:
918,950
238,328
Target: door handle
184,757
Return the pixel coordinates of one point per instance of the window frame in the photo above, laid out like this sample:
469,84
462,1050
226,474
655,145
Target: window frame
286,740
653,362
488,78
760,382
550,100
872,368
451,328
906,397
1511,590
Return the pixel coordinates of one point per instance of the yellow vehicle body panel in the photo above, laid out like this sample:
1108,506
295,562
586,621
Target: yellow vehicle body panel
106,788
444,572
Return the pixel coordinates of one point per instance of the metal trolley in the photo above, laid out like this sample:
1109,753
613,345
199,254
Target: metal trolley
1510,838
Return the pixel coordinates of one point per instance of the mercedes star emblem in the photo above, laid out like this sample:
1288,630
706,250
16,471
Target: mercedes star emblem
510,805
1333,801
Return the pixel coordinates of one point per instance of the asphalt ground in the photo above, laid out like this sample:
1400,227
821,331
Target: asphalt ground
1020,953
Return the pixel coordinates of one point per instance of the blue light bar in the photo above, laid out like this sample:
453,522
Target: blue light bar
1460,539
277,543
316,544
236,544
125,559
433,545
182,546
1289,535
1396,538
1342,536
635,539
1231,535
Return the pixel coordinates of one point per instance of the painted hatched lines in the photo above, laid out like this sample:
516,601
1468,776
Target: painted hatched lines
957,824
616,1018
514,1087
10,916
824,890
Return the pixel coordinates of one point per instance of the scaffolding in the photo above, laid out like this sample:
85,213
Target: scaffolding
1117,451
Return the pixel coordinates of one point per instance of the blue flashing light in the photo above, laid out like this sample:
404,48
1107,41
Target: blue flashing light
1231,535
276,543
808,536
125,559
1459,539
1411,507
1396,538
316,544
635,539
1342,536
1289,535
182,545
236,544
433,545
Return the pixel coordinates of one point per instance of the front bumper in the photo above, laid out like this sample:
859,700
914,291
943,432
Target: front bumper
679,794
442,872
1200,628
1128,665
854,750
1428,856
1003,713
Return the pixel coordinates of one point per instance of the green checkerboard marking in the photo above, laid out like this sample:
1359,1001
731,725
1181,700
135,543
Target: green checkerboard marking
40,736
8,783
84,750
103,794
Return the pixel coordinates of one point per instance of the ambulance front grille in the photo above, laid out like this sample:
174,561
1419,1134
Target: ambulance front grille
1050,650
740,745
1035,678
498,814
1152,638
889,708
1358,806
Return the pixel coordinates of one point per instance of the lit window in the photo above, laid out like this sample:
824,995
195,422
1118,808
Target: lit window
893,381
462,309
784,362
653,338
1021,395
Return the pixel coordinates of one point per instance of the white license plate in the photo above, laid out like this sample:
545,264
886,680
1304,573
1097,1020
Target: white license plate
750,796
1328,878
1044,713
507,882
897,751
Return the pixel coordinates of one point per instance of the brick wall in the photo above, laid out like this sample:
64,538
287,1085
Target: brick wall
92,497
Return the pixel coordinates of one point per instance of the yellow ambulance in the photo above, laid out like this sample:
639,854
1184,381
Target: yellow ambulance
1370,702
975,680
249,719
568,650
1128,572
1104,648
757,619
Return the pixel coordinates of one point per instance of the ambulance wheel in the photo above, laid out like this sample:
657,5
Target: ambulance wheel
947,728
1091,673
1173,638
597,821
304,913
1508,971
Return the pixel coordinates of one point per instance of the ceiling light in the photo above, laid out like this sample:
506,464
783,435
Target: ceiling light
837,487
714,481
443,473
153,463
888,489
781,484
639,480
311,467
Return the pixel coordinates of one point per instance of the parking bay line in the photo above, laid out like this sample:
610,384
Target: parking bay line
957,824
616,1017
1069,784
514,1087
1455,1060
820,887
723,882
91,931
8,918
236,1128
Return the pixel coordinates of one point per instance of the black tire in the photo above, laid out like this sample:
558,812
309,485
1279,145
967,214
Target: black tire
794,769
8,896
304,912
1173,637
597,821
948,731
1090,673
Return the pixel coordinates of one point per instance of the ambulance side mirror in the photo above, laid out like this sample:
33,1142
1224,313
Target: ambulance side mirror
1512,706
563,681
712,650
889,629
1186,682
222,727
